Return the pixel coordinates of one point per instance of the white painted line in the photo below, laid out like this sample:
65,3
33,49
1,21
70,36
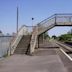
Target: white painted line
66,54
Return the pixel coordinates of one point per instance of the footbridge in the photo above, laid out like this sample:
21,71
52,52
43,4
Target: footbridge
54,20
34,32
47,24
47,59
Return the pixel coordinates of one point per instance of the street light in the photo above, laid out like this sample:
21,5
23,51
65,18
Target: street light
32,21
17,19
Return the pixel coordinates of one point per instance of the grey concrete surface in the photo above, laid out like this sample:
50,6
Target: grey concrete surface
66,61
44,52
44,60
48,44
23,63
70,55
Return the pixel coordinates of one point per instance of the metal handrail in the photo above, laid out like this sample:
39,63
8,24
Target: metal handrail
46,24
18,37
42,28
33,39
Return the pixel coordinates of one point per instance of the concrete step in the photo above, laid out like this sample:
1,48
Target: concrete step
23,45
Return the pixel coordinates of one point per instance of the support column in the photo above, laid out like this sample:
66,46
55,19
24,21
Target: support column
38,41
43,37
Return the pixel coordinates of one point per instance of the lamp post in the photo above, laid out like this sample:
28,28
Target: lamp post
17,19
32,21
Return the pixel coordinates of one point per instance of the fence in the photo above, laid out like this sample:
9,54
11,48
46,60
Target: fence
4,45
24,30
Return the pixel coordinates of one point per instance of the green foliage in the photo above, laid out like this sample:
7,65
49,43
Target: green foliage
70,32
46,35
65,37
54,37
0,31
6,55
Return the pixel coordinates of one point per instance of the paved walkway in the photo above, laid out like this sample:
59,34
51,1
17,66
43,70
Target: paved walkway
44,60
23,63
48,44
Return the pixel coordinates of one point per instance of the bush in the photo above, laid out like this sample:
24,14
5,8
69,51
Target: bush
65,37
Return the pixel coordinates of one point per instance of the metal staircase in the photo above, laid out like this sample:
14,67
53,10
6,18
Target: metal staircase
19,43
45,25
22,47
33,39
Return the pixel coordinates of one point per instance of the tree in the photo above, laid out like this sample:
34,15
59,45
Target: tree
1,34
46,35
65,37
54,37
8,34
70,32
0,31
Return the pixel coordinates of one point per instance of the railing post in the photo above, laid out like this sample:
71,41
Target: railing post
38,41
55,20
69,19
9,50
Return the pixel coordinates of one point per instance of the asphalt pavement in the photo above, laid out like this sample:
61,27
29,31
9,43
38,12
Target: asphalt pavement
44,60
23,63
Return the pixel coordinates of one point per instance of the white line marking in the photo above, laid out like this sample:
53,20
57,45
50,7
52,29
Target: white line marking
66,54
